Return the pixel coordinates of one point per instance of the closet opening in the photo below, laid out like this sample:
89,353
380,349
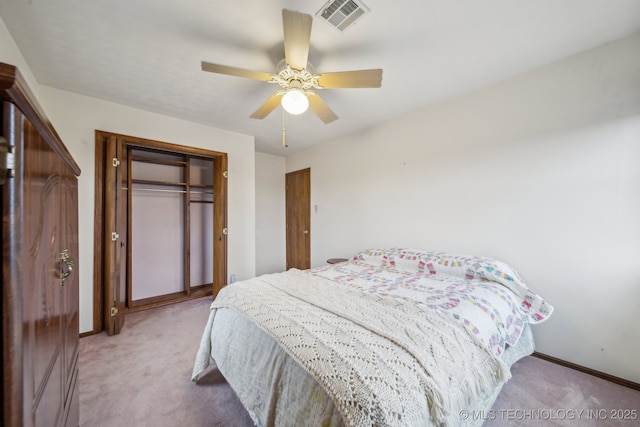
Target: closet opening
160,226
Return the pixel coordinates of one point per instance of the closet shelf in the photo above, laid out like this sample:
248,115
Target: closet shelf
162,183
158,161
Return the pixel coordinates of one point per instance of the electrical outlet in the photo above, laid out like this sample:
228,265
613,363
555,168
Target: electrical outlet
232,278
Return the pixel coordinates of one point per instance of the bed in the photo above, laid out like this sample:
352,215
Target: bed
390,337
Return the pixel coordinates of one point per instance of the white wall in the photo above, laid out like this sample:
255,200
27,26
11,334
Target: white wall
541,171
10,54
270,214
76,118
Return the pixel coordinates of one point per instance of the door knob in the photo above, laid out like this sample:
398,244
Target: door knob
306,231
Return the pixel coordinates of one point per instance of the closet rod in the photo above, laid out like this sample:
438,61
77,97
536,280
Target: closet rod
166,191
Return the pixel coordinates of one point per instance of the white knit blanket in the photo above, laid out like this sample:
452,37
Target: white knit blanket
384,362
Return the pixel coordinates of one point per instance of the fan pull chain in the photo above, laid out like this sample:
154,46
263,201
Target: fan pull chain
284,121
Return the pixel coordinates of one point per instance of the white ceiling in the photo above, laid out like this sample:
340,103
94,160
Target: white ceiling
146,53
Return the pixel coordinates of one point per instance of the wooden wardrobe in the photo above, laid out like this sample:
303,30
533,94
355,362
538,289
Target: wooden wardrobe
39,264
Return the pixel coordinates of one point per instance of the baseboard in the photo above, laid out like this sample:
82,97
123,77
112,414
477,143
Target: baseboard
604,376
88,333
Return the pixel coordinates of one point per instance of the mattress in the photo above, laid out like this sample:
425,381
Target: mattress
421,336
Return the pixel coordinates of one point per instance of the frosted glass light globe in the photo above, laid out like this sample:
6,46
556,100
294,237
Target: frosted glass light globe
295,101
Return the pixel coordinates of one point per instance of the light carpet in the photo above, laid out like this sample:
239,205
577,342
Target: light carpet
142,378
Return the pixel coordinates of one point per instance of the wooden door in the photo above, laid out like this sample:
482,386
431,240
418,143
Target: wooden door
115,236
298,218
219,223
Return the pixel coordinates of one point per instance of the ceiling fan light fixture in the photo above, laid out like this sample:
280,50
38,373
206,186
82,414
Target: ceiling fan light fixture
294,101
295,75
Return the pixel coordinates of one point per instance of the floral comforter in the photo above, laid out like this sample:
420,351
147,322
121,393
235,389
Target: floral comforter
485,295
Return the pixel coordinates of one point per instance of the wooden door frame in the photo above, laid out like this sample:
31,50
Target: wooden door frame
219,221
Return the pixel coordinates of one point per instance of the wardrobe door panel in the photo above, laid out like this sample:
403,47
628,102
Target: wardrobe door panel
42,296
48,410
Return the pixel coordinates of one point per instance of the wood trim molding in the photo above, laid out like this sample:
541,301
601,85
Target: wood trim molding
98,231
604,376
135,141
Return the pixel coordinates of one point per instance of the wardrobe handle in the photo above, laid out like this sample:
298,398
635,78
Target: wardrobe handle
66,259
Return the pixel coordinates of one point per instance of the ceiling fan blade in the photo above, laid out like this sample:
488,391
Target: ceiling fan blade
269,105
321,109
234,71
347,79
297,34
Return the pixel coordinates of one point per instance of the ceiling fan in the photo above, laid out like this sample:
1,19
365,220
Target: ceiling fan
296,76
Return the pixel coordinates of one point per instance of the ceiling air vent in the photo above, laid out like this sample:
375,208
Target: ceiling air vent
341,14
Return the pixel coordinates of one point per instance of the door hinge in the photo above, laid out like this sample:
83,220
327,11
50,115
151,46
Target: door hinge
115,162
7,161
114,311
114,236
